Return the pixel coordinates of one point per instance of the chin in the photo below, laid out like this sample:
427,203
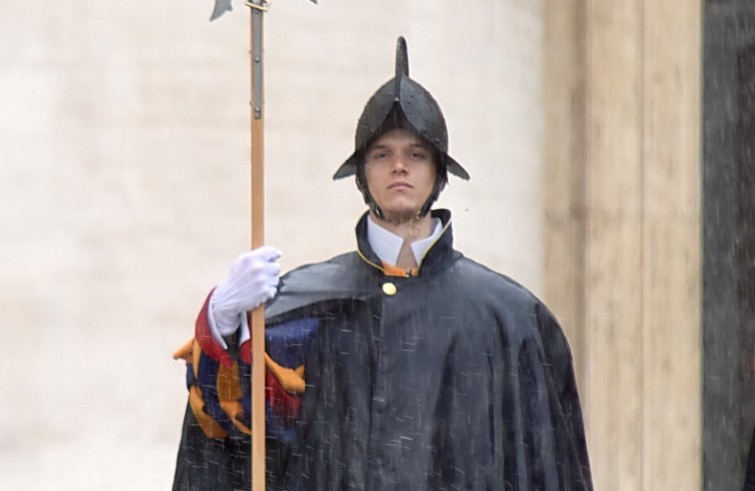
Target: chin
401,215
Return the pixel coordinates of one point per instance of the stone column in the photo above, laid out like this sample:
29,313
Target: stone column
623,229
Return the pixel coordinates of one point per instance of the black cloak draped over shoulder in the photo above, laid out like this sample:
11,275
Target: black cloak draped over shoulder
455,379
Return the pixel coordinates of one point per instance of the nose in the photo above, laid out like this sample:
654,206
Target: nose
398,165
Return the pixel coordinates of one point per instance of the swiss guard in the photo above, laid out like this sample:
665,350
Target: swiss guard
401,365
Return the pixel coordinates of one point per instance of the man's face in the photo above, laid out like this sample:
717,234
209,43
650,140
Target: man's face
400,173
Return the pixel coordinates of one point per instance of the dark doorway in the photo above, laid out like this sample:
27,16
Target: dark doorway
728,240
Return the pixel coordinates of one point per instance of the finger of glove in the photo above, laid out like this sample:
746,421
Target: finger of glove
248,267
255,275
271,291
272,273
252,263
266,253
240,293
232,307
244,287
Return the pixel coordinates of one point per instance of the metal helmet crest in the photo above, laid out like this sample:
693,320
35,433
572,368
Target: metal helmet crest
401,102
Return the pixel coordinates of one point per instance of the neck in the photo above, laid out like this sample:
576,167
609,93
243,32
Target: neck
410,230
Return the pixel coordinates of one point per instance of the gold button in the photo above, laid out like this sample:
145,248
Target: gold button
389,289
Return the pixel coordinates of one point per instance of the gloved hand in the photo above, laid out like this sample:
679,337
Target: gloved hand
252,281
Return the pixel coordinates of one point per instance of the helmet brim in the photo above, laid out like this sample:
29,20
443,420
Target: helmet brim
349,167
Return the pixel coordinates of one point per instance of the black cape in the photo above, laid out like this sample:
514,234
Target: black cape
456,379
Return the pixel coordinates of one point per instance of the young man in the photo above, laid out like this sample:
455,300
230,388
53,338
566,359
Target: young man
400,366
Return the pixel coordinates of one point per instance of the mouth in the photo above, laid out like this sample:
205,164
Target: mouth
400,185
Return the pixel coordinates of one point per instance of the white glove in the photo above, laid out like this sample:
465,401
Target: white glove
252,281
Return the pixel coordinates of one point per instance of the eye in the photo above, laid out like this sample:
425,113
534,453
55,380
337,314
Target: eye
420,155
378,155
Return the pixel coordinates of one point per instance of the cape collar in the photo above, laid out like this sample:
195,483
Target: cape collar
387,245
435,256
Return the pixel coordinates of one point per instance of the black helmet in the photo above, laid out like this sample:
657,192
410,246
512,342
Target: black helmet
401,102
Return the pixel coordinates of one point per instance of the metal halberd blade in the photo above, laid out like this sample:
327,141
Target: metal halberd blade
223,6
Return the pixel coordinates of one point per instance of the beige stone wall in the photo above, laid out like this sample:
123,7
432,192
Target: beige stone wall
124,190
623,229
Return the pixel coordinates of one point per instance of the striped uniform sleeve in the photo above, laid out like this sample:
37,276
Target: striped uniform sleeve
219,383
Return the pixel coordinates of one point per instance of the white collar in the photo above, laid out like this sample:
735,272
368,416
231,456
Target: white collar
387,245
